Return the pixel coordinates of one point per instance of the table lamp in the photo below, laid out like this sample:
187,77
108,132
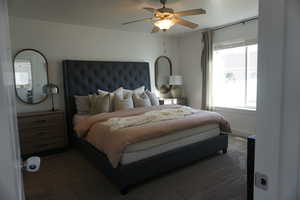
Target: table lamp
53,90
176,90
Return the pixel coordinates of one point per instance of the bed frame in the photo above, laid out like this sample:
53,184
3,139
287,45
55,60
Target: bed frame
85,77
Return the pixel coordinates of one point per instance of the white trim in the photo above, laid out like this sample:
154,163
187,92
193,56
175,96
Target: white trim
236,110
240,133
234,44
269,99
10,173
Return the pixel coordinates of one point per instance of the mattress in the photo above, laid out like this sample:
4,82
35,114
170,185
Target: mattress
146,149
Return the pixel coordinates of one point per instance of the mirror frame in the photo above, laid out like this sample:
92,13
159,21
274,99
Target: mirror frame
46,61
156,70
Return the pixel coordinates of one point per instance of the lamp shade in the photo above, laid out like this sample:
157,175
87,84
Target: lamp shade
164,24
52,89
175,80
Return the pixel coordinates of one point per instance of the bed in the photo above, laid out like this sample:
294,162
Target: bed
139,161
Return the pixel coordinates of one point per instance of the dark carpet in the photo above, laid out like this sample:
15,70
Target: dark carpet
69,176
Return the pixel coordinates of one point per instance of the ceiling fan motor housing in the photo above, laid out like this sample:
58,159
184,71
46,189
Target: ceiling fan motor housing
164,13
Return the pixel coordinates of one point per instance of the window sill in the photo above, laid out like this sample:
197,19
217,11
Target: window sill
236,110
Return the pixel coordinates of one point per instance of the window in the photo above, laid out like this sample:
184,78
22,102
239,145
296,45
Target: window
23,74
234,77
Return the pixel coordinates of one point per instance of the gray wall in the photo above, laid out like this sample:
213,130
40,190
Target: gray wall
62,41
190,48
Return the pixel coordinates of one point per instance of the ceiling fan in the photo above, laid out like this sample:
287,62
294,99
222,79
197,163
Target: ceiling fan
164,18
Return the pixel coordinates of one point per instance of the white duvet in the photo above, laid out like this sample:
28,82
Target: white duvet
117,123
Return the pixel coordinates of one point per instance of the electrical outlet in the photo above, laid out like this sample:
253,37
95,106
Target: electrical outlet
261,181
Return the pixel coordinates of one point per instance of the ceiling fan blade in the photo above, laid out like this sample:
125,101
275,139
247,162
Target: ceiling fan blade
190,12
155,29
152,10
185,23
139,20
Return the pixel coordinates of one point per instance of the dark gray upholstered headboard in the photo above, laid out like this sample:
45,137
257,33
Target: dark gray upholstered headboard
85,77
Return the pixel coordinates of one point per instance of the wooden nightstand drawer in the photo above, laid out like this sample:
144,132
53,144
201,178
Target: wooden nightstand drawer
39,121
42,132
38,145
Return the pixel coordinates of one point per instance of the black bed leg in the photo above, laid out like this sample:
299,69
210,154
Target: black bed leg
224,151
124,190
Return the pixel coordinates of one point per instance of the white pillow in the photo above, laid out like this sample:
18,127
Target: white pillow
154,100
138,90
123,103
118,91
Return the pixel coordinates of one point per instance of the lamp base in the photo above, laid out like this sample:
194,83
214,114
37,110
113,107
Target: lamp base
176,91
52,101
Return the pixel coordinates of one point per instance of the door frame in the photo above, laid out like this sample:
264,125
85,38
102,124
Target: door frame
11,163
278,110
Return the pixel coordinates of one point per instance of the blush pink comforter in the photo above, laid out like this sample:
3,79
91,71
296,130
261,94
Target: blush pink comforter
113,143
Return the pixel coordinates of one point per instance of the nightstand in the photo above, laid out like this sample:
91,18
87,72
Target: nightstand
42,133
168,101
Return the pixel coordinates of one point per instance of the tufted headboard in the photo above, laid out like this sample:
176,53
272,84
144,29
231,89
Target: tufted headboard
85,77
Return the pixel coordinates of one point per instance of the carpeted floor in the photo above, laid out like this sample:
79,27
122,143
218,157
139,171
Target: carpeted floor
69,176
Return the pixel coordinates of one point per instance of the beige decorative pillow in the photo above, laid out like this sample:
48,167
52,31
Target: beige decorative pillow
154,100
82,104
135,91
99,103
141,100
123,102
118,92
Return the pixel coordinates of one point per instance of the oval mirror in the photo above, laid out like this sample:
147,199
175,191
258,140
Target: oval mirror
31,76
163,70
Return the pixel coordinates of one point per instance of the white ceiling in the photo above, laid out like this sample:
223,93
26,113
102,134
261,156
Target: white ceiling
111,13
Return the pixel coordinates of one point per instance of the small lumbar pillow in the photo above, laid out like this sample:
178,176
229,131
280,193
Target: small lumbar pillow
153,98
82,104
123,102
141,100
99,103
135,91
117,92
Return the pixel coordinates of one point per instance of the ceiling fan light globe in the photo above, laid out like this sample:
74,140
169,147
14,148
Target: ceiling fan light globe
164,24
